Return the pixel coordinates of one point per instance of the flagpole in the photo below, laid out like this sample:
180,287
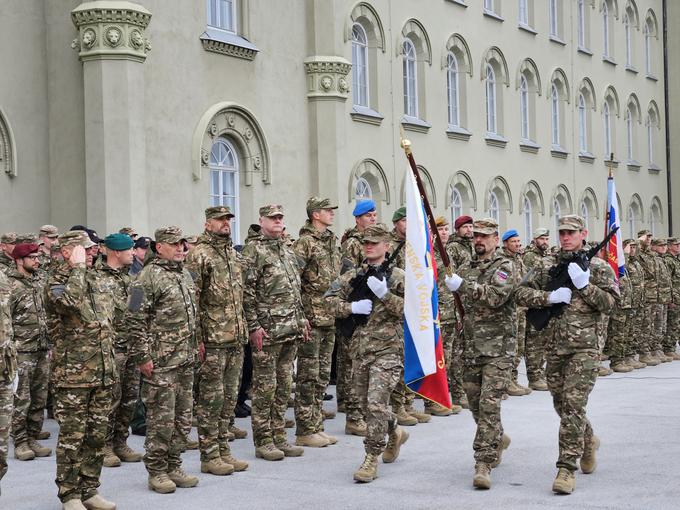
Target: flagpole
609,164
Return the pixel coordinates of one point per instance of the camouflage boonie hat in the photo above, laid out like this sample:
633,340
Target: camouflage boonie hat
8,238
571,222
659,241
170,235
27,238
441,221
316,203
673,240
128,230
644,232
541,232
48,231
376,233
271,210
75,238
217,212
486,226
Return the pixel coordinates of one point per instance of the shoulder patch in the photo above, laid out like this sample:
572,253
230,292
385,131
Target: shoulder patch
57,290
502,275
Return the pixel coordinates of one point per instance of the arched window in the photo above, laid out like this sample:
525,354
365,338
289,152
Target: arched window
649,32
491,125
555,115
524,107
632,223
655,217
456,204
581,24
362,190
629,134
606,116
224,179
527,214
585,214
494,207
452,89
605,28
360,66
652,128
557,213
629,36
582,124
410,80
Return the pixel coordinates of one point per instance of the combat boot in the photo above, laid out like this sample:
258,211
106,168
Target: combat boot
396,438
126,454
38,449
588,460
182,479
439,410
405,419
649,360
517,390
238,465
565,482
621,366
161,483
328,437
23,452
217,467
631,361
73,504
327,414
110,459
539,385
505,443
603,371
268,452
421,417
368,471
672,355
356,428
482,479
238,433
96,502
192,444
289,450
43,434
312,441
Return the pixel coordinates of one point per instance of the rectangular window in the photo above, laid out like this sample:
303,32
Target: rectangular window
523,12
581,21
554,31
222,14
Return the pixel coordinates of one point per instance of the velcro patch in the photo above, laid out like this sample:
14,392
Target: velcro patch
136,299
58,290
502,275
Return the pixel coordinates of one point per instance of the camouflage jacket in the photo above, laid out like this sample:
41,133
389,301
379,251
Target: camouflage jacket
352,249
663,280
271,297
535,258
647,259
318,257
625,290
80,322
637,281
400,260
117,283
447,302
218,271
384,331
460,251
162,316
8,357
673,265
27,306
6,263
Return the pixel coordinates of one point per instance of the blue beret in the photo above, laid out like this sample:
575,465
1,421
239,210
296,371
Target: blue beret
118,242
363,206
510,233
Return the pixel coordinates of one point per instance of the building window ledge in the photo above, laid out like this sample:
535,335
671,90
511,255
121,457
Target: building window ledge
558,151
493,15
651,77
631,69
366,115
585,51
527,28
495,140
415,124
458,133
654,168
225,43
557,39
529,146
633,165
614,163
608,59
459,2
586,157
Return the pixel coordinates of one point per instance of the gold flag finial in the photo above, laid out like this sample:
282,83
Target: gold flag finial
405,142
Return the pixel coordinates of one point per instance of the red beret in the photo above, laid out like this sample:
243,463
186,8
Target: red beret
462,220
24,250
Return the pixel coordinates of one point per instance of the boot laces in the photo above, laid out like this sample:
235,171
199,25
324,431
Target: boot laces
564,475
368,461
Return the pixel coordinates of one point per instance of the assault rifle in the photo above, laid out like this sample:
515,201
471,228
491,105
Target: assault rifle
361,290
559,277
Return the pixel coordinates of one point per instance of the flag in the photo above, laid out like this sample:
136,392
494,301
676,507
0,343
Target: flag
615,256
424,367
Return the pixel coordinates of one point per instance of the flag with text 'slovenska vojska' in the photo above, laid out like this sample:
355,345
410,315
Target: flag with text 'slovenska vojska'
424,367
615,255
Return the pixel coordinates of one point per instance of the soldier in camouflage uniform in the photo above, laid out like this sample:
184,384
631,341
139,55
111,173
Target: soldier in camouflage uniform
672,260
163,343
276,322
218,270
8,366
621,323
648,263
489,288
637,282
80,324
380,349
660,311
30,337
47,236
319,259
7,242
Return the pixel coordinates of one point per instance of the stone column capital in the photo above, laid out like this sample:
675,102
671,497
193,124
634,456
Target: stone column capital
327,78
111,30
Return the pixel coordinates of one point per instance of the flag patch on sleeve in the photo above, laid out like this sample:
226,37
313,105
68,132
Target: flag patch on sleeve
502,275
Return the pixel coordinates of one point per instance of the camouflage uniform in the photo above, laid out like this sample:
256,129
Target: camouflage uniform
30,337
7,371
163,323
7,262
637,281
219,271
519,271
620,323
447,320
272,301
673,318
660,323
648,262
319,260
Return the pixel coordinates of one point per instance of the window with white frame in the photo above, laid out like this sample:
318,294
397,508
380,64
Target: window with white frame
555,115
491,125
410,79
360,88
585,214
524,108
606,26
607,120
527,214
629,134
581,24
224,179
554,20
494,207
629,36
582,124
362,190
489,5
452,89
456,204
523,17
632,222
655,217
652,127
649,33
557,213
222,14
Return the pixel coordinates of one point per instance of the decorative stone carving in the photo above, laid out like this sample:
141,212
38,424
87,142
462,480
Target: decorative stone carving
111,29
8,162
322,75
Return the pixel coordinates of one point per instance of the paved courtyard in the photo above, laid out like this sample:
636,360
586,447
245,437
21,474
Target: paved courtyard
636,415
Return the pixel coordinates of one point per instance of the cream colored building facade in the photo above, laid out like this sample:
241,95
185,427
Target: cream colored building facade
115,113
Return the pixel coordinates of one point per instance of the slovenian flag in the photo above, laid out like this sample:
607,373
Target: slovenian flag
424,367
615,255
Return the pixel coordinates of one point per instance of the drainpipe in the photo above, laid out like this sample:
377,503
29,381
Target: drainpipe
666,111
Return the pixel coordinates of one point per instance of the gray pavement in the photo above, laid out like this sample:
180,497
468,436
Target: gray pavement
636,415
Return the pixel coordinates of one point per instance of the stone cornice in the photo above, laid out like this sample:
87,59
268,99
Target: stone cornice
327,78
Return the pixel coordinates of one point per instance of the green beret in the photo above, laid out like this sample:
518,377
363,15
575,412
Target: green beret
399,214
118,242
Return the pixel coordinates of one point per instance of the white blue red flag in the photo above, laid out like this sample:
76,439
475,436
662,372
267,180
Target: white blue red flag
615,255
424,367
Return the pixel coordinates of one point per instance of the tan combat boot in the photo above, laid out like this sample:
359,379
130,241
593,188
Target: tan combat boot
289,450
421,417
216,466
238,433
126,454
38,449
312,441
621,366
505,442
517,390
604,371
96,502
482,478
405,419
663,357
182,479
439,410
161,483
673,355
327,414
192,444
539,385
238,465
396,438
328,437
649,360
110,459
635,363
588,460
368,471
565,482
43,434
356,428
23,452
73,504
268,452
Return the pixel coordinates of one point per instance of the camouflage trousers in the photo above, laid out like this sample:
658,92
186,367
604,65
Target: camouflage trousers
619,334
83,417
6,400
636,341
272,380
659,325
453,343
570,380
648,339
402,396
673,328
30,396
168,399
125,395
218,382
485,382
375,378
313,374
521,318
534,353
345,390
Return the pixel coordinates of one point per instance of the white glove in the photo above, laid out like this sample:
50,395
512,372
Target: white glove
379,287
453,282
362,307
579,277
561,295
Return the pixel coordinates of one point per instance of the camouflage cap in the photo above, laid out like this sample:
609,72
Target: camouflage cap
128,230
28,237
75,238
48,231
8,238
191,239
571,222
673,240
541,232
659,241
643,232
170,235
316,203
632,242
271,210
376,233
441,221
217,212
485,226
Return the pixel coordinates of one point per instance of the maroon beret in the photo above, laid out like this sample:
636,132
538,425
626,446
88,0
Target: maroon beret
462,220
24,250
